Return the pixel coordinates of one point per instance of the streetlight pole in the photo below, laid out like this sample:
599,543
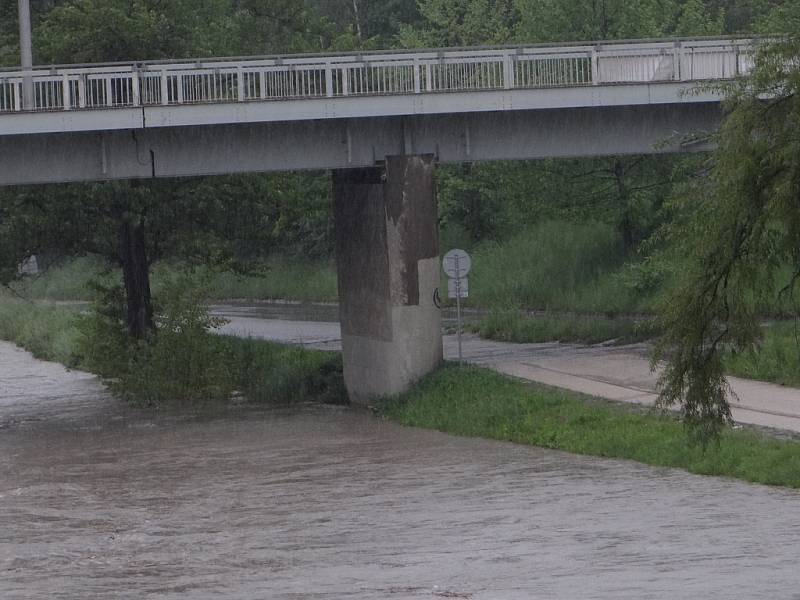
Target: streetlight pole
26,54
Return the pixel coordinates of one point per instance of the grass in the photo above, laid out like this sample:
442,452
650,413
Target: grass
556,266
275,278
776,359
511,326
47,332
67,281
476,402
264,372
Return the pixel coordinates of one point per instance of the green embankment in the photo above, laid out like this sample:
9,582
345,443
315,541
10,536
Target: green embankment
175,370
277,278
476,402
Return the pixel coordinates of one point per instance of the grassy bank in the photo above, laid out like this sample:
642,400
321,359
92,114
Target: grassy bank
199,370
477,402
276,278
512,326
776,359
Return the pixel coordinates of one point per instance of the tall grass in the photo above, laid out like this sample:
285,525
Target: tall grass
555,265
196,368
775,359
275,278
47,332
68,281
511,326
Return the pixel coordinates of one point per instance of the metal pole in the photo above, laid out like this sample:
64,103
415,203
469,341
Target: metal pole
26,54
458,309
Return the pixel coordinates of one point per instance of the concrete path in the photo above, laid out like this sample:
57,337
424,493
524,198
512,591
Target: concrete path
620,373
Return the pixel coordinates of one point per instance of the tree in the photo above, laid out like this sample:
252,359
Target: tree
461,23
587,20
134,215
737,228
365,24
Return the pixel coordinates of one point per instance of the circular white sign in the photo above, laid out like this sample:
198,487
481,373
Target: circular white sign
457,264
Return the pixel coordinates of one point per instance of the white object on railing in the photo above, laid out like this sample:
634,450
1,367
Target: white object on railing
225,80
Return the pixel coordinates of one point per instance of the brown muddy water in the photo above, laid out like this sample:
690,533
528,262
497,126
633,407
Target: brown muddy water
101,501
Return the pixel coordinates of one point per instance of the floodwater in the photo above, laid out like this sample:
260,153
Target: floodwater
101,501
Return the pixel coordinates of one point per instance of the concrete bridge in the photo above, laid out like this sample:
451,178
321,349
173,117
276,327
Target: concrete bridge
380,121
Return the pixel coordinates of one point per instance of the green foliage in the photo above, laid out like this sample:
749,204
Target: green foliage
737,228
552,266
586,20
277,278
461,23
479,403
272,373
775,357
182,364
179,362
70,280
511,326
47,332
694,19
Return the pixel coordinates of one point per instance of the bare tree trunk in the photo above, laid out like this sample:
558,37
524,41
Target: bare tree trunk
626,224
357,15
136,275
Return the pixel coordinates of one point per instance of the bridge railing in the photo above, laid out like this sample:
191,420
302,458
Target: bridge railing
218,81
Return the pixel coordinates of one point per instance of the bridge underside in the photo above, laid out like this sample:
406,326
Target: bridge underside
353,143
386,218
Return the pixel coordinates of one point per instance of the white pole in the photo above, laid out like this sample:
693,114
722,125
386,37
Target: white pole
458,309
26,54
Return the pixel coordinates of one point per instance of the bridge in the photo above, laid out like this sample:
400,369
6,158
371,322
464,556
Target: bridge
380,121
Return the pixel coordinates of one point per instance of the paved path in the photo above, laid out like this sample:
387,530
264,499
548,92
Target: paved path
620,373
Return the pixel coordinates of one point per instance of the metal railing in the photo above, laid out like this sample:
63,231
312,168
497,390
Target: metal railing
242,80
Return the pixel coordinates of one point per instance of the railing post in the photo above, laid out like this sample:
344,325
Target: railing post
164,90
136,97
15,87
508,70
109,91
345,80
240,92
65,91
329,80
417,82
595,66
428,77
82,91
262,85
677,52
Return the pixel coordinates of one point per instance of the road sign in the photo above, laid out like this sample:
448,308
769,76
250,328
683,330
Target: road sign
458,288
457,264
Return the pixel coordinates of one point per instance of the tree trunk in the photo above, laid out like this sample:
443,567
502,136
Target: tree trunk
357,15
136,274
626,225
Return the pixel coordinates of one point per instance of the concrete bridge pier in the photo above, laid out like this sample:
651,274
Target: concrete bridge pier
387,249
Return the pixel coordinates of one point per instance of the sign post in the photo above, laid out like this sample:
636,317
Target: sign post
457,264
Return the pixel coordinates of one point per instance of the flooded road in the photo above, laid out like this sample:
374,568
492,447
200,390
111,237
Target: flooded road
101,501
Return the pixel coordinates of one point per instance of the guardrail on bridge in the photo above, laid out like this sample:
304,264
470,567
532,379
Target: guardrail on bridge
242,80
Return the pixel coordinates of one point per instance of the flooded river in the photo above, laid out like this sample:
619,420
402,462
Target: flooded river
100,501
